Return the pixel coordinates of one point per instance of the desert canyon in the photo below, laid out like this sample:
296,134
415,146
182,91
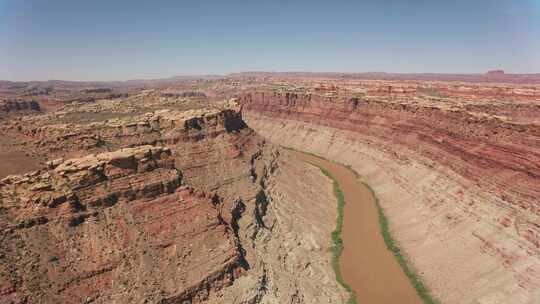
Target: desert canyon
192,190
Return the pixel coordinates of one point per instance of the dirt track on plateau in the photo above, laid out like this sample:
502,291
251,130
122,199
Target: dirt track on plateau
366,264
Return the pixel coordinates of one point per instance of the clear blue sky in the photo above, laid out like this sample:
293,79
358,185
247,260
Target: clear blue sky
115,40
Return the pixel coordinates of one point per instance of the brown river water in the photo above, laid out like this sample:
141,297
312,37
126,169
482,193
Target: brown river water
366,264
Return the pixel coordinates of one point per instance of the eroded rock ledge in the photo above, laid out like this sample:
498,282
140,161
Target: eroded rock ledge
165,206
114,227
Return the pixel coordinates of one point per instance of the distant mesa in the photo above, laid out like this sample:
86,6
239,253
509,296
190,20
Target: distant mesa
98,90
183,94
495,73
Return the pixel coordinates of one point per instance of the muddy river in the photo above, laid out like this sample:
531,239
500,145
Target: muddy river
366,264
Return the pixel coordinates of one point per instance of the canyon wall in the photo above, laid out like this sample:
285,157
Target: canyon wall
113,227
149,204
460,187
495,91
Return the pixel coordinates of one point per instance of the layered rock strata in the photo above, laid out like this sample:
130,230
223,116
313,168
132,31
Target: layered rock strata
113,227
170,207
461,188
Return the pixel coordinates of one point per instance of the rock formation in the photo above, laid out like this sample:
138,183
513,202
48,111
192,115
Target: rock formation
495,73
114,227
145,203
459,183
117,193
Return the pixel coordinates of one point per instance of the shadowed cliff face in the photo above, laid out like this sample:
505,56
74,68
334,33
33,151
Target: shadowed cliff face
459,178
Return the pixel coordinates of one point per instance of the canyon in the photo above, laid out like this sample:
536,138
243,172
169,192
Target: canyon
180,190
458,180
159,200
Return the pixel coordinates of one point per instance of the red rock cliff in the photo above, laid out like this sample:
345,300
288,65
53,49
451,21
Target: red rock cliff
81,226
472,144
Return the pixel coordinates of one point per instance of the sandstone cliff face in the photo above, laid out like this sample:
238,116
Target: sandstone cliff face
113,227
49,134
461,187
472,144
447,89
170,206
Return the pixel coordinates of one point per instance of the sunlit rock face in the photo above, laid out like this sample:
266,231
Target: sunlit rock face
458,174
154,203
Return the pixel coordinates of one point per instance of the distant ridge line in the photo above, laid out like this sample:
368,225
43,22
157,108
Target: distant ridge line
494,76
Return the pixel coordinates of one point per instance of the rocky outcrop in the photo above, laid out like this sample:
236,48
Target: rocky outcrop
460,89
114,227
428,162
158,127
170,206
495,73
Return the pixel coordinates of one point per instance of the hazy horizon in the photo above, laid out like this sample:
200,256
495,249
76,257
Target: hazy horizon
261,71
124,40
